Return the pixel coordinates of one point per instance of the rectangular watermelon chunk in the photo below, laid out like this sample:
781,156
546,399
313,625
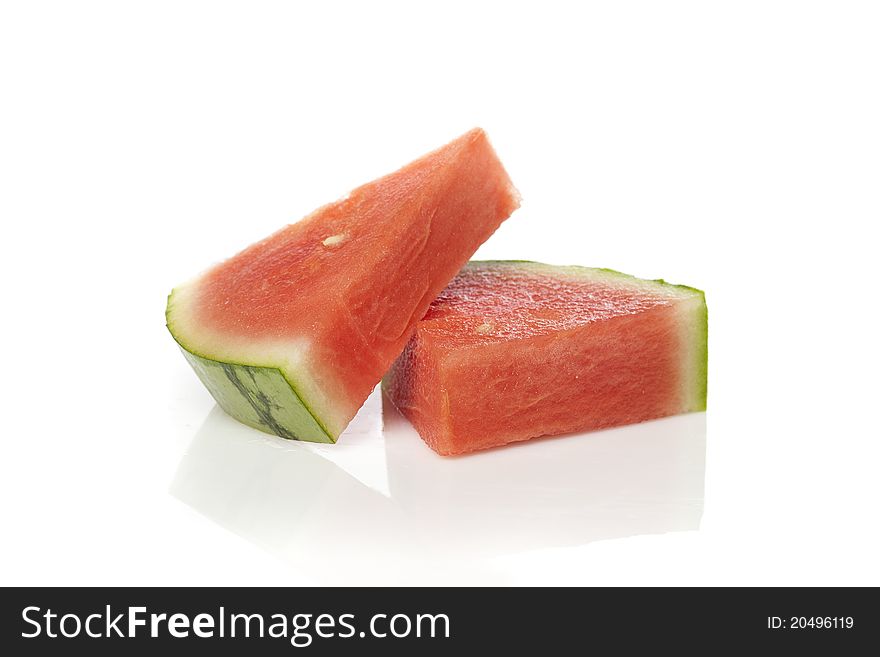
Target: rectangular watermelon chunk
515,350
291,335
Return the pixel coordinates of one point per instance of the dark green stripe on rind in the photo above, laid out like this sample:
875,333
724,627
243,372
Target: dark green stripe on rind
260,397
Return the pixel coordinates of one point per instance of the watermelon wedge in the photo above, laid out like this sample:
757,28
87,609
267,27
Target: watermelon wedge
291,335
515,350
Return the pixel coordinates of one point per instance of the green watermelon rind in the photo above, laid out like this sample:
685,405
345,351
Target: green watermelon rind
702,347
701,318
260,396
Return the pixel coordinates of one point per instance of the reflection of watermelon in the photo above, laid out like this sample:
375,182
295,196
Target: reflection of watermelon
514,350
292,334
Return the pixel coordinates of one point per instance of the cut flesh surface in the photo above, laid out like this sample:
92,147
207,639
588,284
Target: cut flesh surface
292,334
515,350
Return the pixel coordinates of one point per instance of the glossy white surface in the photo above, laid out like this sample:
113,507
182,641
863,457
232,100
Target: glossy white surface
377,490
733,148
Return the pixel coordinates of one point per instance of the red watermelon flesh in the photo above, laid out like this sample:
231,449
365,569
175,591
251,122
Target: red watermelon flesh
292,334
515,350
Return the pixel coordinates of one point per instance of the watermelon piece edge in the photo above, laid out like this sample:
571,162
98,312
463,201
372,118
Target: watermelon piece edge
262,397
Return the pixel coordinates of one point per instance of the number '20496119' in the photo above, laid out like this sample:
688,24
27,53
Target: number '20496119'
810,622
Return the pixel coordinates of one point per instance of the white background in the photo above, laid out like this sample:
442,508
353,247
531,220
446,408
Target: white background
730,146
